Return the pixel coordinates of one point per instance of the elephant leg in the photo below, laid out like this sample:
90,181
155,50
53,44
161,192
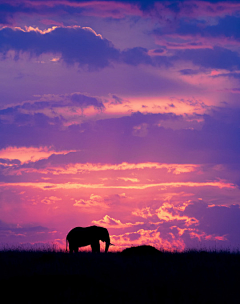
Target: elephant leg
70,248
95,247
75,249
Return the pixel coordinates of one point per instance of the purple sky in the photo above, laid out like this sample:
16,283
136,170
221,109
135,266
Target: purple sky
123,114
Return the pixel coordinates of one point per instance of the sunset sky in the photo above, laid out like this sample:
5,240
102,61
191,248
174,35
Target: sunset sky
123,114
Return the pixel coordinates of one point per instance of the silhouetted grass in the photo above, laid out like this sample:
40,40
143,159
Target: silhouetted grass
58,277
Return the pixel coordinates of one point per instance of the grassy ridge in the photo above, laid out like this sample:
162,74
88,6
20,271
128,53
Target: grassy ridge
58,277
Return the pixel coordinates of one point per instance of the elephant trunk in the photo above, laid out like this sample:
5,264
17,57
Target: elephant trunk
107,246
107,240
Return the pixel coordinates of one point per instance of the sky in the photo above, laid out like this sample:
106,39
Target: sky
122,114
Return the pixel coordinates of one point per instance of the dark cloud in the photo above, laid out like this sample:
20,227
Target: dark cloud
83,101
117,100
76,45
227,26
190,72
216,58
84,47
20,131
212,226
13,7
216,220
226,22
22,237
139,55
12,232
10,161
10,9
230,75
191,38
3,18
75,100
136,56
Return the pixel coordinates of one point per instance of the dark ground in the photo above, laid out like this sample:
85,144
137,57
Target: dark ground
58,277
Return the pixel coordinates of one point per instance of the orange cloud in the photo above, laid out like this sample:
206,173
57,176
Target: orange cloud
109,222
203,236
164,213
167,212
50,200
79,168
126,179
153,238
146,237
94,201
26,154
163,105
51,186
175,168
144,212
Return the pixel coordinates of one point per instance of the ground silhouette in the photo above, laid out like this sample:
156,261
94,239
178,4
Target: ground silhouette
198,277
141,250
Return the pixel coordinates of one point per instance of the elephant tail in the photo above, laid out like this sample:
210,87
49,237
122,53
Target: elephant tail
66,243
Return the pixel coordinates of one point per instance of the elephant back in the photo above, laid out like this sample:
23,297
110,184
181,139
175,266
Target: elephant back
83,236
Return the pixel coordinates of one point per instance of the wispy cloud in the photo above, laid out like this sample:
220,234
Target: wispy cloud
94,201
51,186
27,154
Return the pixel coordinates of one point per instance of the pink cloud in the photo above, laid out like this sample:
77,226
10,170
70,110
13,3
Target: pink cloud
51,186
146,237
144,212
50,200
94,201
34,154
119,10
109,222
195,9
27,154
130,179
208,9
104,9
189,42
167,212
176,41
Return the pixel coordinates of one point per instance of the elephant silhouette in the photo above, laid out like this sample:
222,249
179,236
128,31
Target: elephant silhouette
84,236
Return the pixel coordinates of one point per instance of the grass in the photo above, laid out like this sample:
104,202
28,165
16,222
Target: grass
57,277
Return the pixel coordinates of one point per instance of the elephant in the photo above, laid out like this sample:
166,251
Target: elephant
84,236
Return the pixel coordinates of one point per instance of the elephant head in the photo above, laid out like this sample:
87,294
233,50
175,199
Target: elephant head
104,237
